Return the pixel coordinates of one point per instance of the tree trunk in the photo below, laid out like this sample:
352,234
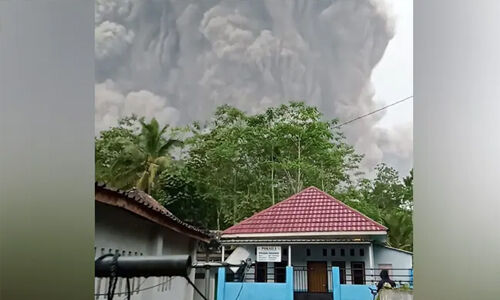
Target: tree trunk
218,218
298,171
272,173
234,199
322,177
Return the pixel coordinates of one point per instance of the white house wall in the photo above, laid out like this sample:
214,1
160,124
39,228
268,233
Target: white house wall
117,230
381,255
300,259
398,260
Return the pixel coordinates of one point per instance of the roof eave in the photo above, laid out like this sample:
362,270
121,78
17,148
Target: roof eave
302,234
303,241
117,199
397,249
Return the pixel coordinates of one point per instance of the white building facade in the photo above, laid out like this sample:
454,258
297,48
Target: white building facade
315,232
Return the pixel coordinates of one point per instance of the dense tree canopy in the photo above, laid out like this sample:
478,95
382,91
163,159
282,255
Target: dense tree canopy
237,164
125,159
388,200
248,162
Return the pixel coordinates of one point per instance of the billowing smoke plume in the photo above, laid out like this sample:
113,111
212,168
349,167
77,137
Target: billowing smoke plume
179,59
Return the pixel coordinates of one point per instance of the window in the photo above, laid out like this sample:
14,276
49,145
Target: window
280,272
284,252
261,272
358,272
324,252
361,252
333,252
342,252
351,252
308,252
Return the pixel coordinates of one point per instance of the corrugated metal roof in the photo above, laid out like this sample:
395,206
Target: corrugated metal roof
311,210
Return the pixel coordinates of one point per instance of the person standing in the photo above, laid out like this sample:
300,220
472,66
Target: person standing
385,281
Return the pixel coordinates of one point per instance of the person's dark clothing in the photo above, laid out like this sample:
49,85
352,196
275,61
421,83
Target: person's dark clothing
385,279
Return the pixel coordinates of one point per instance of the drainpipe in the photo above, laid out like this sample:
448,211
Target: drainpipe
222,255
370,253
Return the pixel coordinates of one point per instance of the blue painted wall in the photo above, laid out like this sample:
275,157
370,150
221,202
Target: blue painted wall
355,292
349,291
254,290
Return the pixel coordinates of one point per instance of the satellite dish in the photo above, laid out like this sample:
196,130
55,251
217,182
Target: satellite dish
239,256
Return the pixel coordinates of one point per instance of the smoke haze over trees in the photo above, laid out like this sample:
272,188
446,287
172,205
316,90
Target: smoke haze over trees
177,60
235,164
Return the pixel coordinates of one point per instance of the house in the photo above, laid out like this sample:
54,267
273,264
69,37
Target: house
313,232
133,223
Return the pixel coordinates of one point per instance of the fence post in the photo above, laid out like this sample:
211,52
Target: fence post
221,283
336,283
289,282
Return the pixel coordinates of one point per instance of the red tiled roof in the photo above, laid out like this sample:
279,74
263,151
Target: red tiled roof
311,210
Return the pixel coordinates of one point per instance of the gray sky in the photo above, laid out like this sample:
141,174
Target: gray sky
393,76
393,80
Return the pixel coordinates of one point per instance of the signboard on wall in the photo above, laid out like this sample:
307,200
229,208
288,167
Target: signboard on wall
269,253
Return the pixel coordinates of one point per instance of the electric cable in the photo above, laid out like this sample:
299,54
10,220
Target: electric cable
195,288
242,281
372,112
113,278
128,289
138,290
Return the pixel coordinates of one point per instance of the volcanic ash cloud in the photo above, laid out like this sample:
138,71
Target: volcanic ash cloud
196,55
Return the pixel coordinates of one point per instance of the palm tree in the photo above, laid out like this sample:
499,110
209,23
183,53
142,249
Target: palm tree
400,230
139,164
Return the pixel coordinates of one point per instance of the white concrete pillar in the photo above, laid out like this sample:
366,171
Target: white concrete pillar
207,283
222,255
159,244
159,252
207,272
289,255
370,255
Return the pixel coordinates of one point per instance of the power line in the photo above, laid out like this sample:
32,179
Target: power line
375,111
129,292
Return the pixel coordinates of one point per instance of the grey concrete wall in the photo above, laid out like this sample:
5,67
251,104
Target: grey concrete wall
200,284
117,230
395,295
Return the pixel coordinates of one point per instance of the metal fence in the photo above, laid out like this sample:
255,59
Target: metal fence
367,276
351,276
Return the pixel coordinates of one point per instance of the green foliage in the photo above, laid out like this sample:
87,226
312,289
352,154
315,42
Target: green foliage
237,164
110,145
178,194
126,159
388,200
249,162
